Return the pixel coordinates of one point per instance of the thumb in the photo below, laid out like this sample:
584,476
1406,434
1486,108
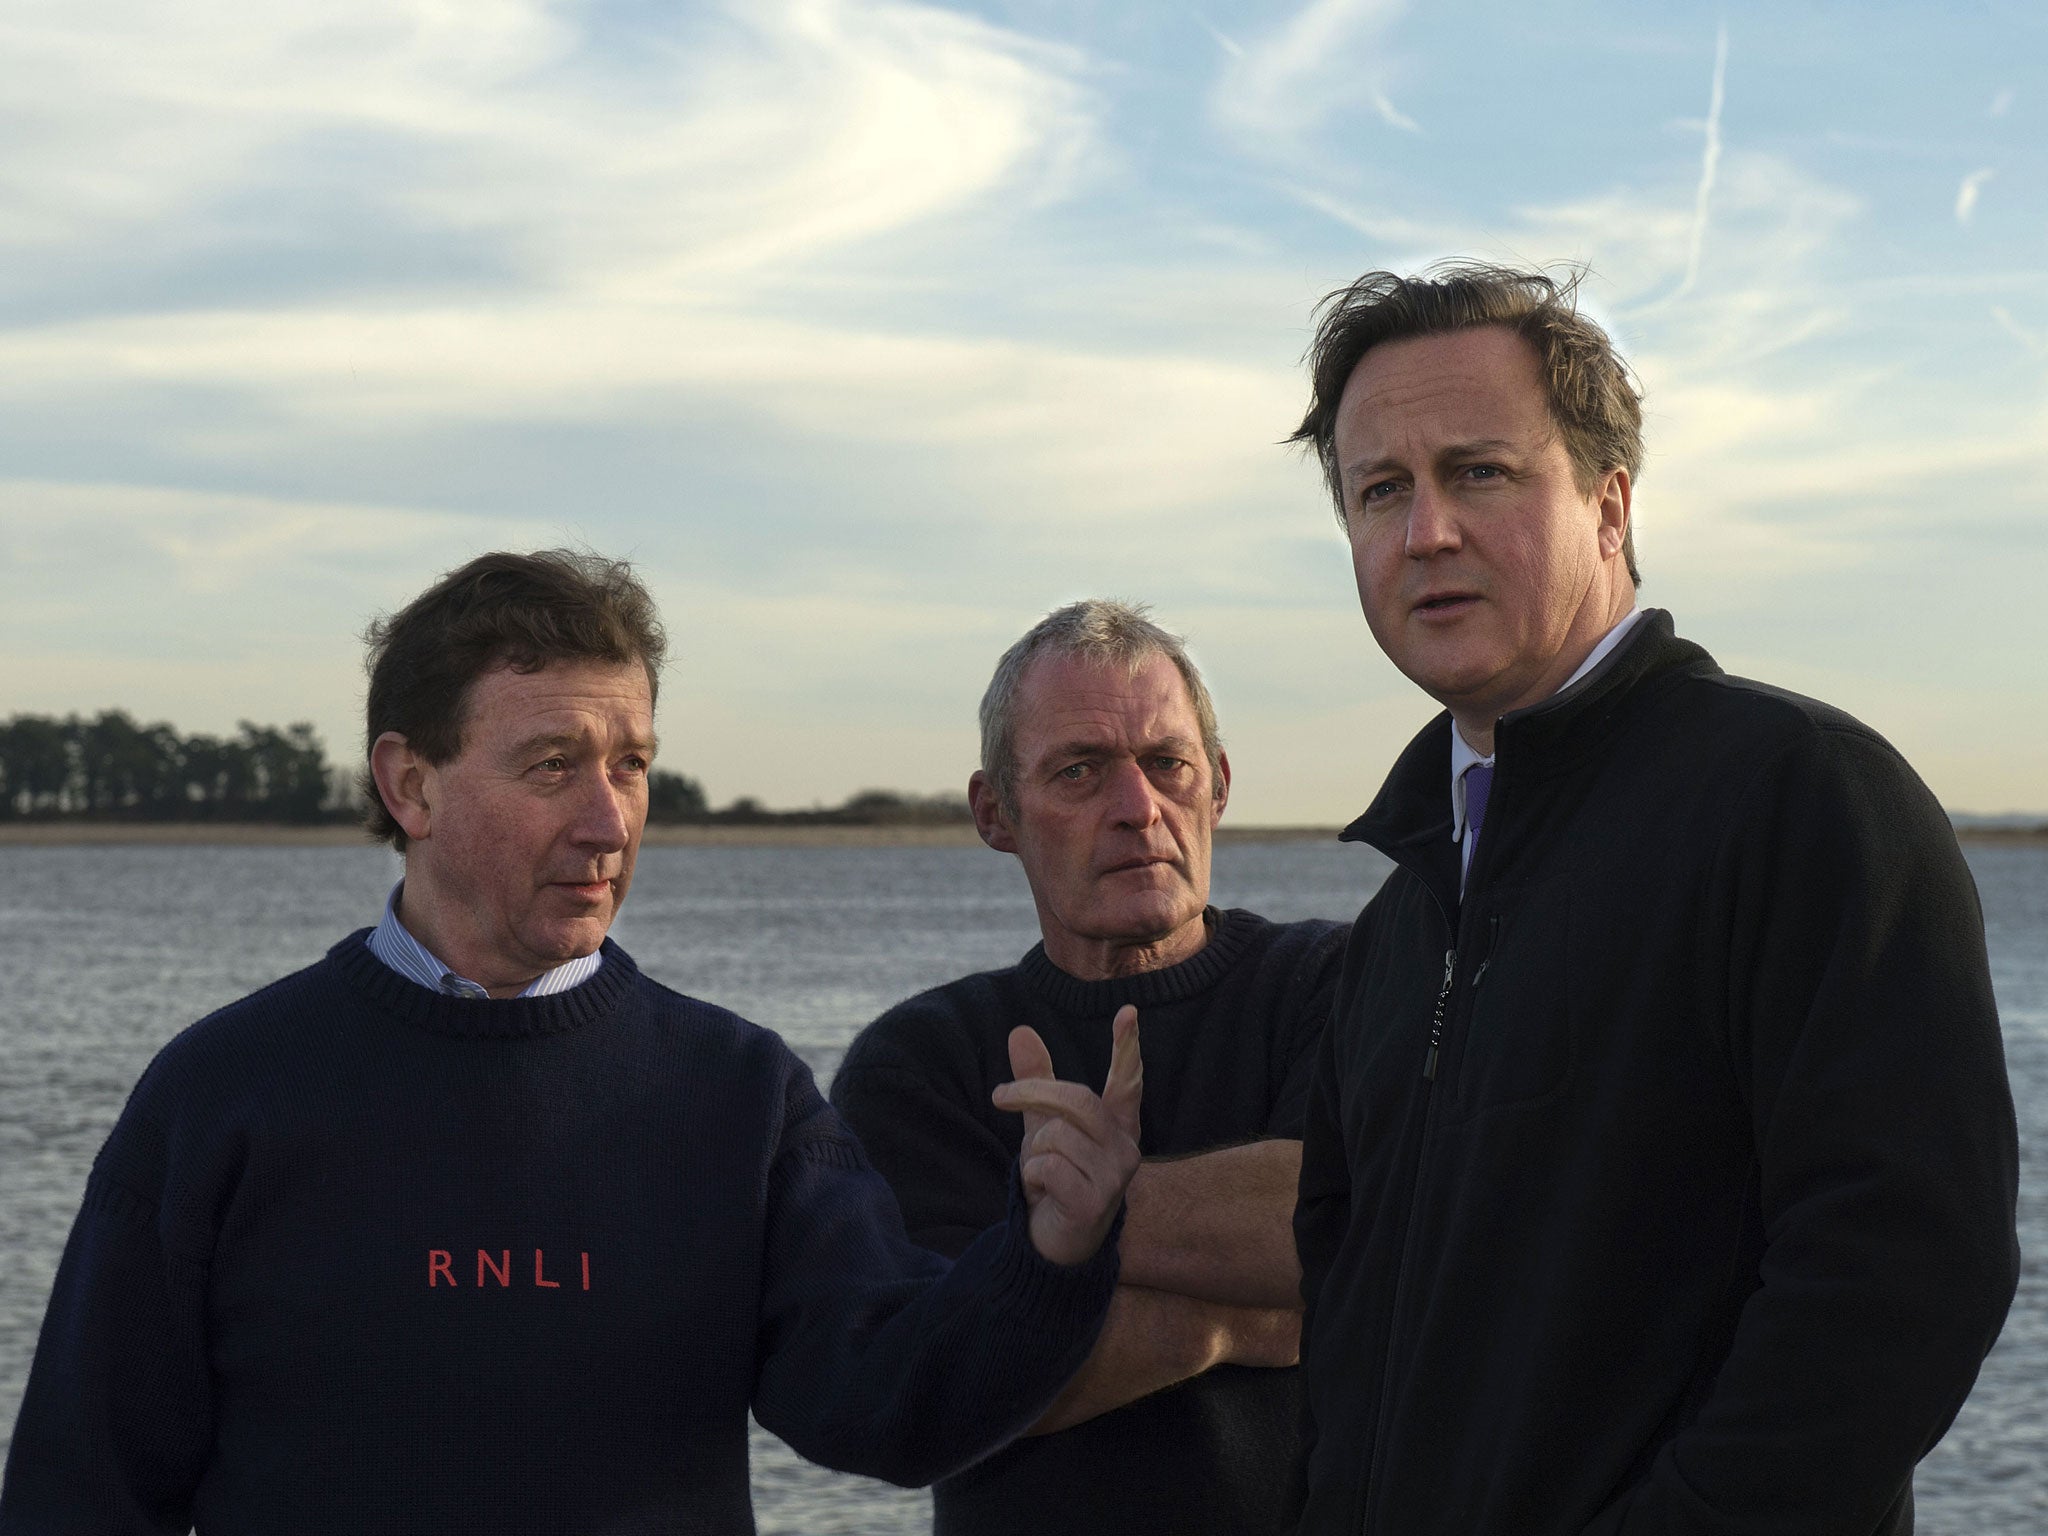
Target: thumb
1124,1088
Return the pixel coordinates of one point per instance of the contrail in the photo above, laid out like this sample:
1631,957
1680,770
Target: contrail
1710,163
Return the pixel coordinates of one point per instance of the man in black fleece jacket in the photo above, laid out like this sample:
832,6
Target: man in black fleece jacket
471,1227
1659,1174
1103,773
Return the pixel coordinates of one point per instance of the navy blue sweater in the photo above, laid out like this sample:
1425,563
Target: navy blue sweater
1230,1038
360,1257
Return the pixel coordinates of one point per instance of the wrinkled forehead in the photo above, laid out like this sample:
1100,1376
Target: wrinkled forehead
1065,700
1477,383
563,697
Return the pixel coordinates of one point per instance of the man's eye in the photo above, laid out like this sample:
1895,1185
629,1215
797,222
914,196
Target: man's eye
552,764
1486,472
1074,771
1379,490
633,765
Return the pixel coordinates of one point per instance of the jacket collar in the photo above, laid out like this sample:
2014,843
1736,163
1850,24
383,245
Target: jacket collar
1410,820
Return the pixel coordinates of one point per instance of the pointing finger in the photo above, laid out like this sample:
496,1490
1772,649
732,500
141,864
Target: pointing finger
1123,1089
1028,1056
1030,1062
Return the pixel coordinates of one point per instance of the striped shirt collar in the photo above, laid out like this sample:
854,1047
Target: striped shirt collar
393,943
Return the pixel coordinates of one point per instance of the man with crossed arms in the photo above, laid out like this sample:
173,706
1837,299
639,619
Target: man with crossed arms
1103,773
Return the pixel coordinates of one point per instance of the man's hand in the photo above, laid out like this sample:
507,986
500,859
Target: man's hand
1079,1150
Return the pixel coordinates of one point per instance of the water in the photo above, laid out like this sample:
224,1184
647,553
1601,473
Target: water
106,951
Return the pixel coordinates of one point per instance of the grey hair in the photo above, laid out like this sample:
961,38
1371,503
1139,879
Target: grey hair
1100,631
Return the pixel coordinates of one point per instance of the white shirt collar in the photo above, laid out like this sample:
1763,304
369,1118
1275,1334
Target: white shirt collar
1463,757
392,942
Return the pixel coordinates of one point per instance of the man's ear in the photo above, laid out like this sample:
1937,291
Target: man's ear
989,820
1615,508
404,779
1222,797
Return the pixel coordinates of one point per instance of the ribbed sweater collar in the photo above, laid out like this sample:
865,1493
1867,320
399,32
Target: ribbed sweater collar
512,1018
1229,933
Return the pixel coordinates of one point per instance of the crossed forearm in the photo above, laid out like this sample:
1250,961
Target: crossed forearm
1153,1339
1217,1226
1209,1278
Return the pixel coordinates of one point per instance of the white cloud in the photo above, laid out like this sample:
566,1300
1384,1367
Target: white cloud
672,166
1383,226
1286,84
2000,104
349,373
212,543
1967,194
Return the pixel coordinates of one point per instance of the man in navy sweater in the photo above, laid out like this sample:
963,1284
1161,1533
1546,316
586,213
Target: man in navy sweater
1103,773
472,1227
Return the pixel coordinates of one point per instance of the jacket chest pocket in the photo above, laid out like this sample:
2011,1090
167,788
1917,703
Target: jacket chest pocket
1511,1040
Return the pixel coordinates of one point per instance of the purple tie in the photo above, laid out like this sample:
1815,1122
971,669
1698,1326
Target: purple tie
1478,785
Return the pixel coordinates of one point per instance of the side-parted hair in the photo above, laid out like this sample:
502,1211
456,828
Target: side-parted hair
499,610
1591,391
1102,632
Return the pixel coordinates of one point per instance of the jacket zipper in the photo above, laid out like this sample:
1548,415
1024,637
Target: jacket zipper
1401,1281
1436,1021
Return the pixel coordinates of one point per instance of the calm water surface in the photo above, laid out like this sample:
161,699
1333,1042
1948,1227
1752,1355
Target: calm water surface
106,952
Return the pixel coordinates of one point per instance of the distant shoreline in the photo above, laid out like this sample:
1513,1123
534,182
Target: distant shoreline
62,834
72,834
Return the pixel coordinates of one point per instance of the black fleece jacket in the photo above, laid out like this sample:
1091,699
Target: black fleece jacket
1705,1220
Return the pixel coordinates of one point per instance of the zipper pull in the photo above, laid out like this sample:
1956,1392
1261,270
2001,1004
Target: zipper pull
1436,1023
1492,936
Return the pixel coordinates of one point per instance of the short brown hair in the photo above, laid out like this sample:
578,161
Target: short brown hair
521,611
1591,392
1102,632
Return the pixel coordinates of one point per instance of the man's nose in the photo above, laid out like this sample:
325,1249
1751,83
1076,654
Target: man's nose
1432,522
1133,801
602,819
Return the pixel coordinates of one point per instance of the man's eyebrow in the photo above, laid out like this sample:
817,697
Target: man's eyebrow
1067,752
1475,447
557,740
544,741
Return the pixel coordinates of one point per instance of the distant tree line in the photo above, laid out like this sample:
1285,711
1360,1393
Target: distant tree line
108,768
868,808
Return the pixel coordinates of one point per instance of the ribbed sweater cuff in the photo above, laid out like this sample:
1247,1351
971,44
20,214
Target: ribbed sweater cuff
1054,1295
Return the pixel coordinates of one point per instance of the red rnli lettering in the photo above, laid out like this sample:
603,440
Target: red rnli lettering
441,1268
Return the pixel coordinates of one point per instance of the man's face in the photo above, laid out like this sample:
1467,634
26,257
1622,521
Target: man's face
533,825
1484,572
1115,806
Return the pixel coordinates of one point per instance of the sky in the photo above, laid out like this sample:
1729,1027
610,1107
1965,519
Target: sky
872,331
